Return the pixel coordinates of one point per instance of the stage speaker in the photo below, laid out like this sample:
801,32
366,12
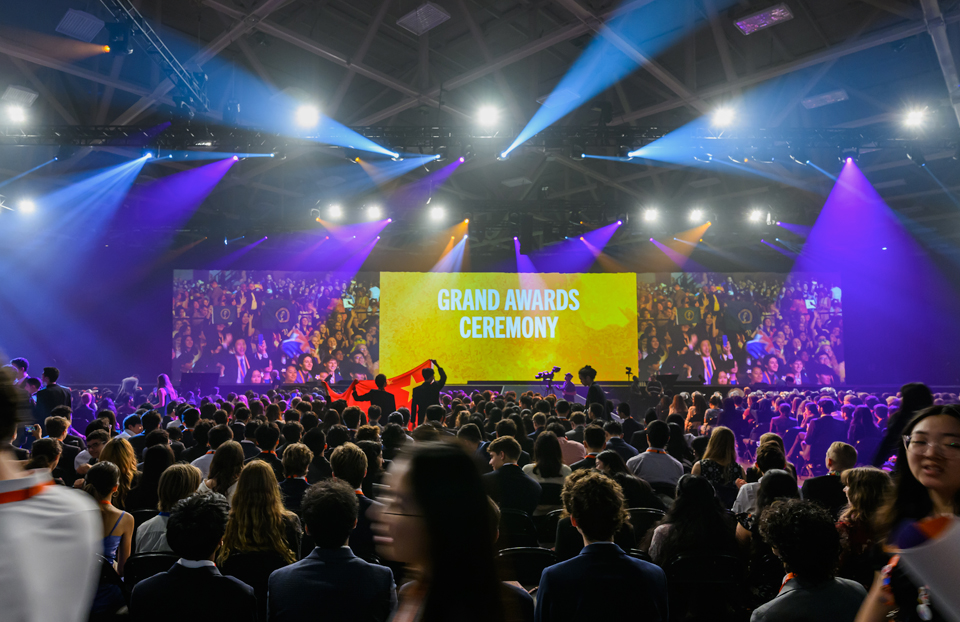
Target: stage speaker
527,242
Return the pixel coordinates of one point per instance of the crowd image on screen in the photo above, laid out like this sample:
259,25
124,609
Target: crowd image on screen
255,327
753,328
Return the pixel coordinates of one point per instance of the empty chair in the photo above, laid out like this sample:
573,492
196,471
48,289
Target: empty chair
524,564
516,529
143,565
643,520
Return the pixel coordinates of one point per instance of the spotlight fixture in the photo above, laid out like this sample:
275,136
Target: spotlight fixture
696,215
374,212
722,117
915,117
755,215
335,212
27,206
798,153
650,214
850,154
488,116
307,116
916,156
120,35
17,114
437,213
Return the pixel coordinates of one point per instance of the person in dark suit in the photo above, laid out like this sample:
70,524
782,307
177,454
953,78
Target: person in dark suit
57,428
602,582
595,394
508,485
331,579
594,441
703,364
827,490
237,366
151,421
296,461
382,398
195,531
49,397
629,424
319,469
427,394
614,433
823,432
267,438
349,464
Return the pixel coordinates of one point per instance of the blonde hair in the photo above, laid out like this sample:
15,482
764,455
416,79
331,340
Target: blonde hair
722,446
844,456
867,489
257,517
296,460
178,481
120,453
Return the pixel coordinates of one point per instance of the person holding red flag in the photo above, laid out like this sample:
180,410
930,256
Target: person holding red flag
378,397
427,394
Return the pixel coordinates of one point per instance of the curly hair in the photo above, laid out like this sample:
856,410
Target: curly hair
257,517
595,502
120,453
805,537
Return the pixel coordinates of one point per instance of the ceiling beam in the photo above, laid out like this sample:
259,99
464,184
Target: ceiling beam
897,8
358,57
48,96
723,46
603,179
941,43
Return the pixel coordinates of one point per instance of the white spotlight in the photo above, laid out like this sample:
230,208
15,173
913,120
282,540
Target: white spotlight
27,206
374,212
650,215
308,116
723,117
335,212
696,215
915,117
17,114
755,215
488,116
437,214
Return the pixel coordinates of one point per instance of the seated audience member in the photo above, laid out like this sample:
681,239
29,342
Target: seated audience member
290,433
614,433
822,432
331,579
200,436
655,465
151,421
569,541
294,484
195,532
375,467
224,471
45,453
697,522
769,456
96,441
637,492
470,436
217,436
572,451
578,419
120,453
267,438
319,469
867,488
131,426
602,579
803,536
719,464
177,482
827,490
57,429
508,485
349,464
249,440
441,524
594,440
546,469
116,529
144,496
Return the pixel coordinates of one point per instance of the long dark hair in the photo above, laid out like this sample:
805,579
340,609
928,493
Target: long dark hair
697,520
776,484
460,523
910,499
614,462
226,466
677,445
547,455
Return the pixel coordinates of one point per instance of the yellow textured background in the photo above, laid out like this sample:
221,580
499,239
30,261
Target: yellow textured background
602,333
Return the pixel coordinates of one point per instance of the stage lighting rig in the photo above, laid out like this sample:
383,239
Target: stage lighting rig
27,206
915,117
488,116
120,36
437,213
915,155
755,216
307,116
17,114
723,117
651,214
374,212
696,216
335,212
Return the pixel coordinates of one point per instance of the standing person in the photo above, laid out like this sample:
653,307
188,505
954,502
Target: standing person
569,389
926,485
427,394
379,396
33,509
165,391
49,397
602,579
595,394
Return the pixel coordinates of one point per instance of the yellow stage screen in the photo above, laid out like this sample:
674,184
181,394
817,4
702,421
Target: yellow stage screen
502,326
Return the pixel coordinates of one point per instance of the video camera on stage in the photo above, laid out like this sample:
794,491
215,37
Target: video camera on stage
548,374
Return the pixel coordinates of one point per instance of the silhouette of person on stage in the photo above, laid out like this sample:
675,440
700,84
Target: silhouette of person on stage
427,394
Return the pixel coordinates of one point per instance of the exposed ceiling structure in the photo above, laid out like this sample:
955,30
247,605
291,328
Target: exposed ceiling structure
855,65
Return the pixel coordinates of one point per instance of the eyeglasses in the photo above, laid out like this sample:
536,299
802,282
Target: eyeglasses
949,449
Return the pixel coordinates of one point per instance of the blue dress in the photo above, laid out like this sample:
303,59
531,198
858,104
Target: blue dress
109,597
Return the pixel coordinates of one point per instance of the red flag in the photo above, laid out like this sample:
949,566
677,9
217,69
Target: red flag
400,386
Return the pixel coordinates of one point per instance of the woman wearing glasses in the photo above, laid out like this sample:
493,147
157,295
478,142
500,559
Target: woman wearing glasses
927,484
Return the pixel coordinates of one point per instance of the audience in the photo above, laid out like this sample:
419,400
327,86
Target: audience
331,579
349,464
195,532
267,438
177,482
296,461
866,489
225,471
144,496
548,470
508,485
697,523
719,465
655,465
120,453
116,529
614,433
769,456
217,436
827,490
594,441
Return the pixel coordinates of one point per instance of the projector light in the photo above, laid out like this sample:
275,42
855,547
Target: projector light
307,116
437,214
335,212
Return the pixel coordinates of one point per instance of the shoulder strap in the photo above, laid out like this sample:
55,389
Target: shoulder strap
122,514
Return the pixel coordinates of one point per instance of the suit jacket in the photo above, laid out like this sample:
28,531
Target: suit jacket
602,583
384,399
212,596
270,458
319,469
631,426
231,368
335,582
361,540
426,395
595,394
292,490
46,400
138,442
590,462
65,470
698,369
620,446
576,434
238,429
827,490
835,600
821,433
513,489
250,449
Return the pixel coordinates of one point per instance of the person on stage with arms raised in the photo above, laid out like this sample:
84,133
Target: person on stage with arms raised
380,396
427,394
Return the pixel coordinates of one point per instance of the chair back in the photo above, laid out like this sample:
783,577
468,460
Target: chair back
550,494
547,527
705,586
665,489
524,564
141,566
254,568
641,555
643,519
516,529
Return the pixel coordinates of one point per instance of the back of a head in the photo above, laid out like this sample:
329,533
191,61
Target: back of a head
770,456
196,526
219,435
349,464
776,484
658,434
696,500
267,437
435,412
915,397
507,445
329,510
101,480
867,490
296,460
613,428
470,432
842,456
351,417
52,373
179,481
805,537
596,503
548,455
151,421
337,435
315,440
722,446
612,461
